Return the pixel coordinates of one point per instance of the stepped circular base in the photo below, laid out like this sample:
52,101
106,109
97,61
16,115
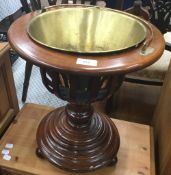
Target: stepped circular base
78,148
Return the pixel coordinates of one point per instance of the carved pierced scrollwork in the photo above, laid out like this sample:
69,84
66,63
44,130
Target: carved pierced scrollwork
80,89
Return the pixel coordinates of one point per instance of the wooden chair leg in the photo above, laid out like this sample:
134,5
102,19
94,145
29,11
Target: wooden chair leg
28,70
109,104
112,103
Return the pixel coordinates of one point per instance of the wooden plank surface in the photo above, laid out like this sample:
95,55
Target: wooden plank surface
134,156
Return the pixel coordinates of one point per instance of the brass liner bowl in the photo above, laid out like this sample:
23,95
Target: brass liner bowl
87,30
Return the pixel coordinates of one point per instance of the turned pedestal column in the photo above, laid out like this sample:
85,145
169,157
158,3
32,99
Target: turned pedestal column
76,137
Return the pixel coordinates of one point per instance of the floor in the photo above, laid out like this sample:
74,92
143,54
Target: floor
134,103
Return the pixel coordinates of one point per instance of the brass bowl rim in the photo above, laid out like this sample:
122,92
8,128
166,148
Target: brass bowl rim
65,7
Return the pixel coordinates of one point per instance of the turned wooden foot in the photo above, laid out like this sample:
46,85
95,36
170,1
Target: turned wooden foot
39,153
114,161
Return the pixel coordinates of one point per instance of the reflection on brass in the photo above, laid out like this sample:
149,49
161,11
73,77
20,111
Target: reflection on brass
87,30
147,51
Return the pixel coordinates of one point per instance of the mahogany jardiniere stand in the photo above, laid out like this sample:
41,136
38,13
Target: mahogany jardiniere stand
76,137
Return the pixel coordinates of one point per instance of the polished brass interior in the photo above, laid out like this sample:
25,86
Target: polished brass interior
87,30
